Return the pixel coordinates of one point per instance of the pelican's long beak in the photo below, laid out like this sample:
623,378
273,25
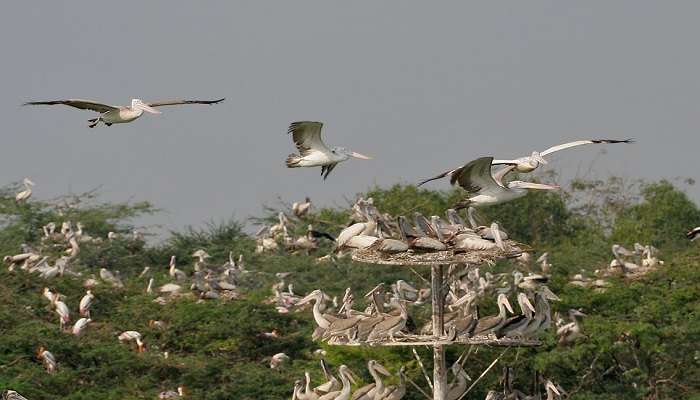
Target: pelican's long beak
306,299
351,377
506,303
538,186
147,108
527,303
360,156
380,368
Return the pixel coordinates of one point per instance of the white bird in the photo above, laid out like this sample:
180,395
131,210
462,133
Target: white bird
48,359
278,360
119,114
86,303
80,326
174,272
62,310
484,188
299,209
27,192
107,276
171,394
313,152
128,336
531,162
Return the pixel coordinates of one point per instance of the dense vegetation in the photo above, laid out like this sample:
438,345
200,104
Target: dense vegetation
641,336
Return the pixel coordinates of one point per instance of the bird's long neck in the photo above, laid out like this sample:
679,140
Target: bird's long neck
318,316
345,391
501,310
379,384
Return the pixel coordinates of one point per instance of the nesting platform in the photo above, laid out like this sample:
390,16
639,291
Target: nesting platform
429,340
409,258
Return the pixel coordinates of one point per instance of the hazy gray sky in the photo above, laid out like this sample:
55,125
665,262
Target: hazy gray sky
420,86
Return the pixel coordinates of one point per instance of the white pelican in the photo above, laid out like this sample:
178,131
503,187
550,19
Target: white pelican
485,188
693,234
85,303
313,152
119,114
531,162
27,192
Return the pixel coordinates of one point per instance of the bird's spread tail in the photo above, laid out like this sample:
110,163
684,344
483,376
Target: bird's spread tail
293,161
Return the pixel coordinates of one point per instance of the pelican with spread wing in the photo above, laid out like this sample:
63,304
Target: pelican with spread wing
484,188
313,152
531,162
118,114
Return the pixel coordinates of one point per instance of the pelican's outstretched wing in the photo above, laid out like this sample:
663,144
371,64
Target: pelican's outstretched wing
77,103
582,142
307,137
442,175
475,175
179,102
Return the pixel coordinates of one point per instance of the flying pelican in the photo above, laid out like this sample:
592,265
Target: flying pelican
313,152
484,188
27,192
531,162
119,114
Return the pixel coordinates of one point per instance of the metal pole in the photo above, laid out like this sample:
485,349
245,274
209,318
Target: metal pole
439,365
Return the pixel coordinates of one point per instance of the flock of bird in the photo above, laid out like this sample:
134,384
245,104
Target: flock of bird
386,317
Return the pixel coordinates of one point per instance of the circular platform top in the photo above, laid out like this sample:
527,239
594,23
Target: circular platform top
474,257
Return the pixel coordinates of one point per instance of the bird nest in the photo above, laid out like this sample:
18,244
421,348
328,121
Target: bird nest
429,340
473,257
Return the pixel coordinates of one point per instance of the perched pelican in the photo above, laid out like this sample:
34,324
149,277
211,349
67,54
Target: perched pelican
174,272
531,162
485,189
86,303
514,326
494,323
313,152
119,114
27,192
373,390
344,393
552,390
391,324
331,384
693,234
396,392
543,318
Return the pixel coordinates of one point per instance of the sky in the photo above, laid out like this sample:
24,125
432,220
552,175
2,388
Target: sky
419,86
